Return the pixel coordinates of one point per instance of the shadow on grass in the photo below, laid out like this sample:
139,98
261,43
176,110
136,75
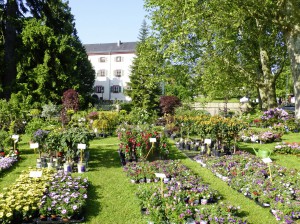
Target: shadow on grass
104,156
93,207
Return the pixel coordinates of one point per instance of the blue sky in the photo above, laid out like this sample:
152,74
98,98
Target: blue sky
107,21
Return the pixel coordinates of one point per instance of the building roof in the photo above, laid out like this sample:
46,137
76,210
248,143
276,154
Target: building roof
110,47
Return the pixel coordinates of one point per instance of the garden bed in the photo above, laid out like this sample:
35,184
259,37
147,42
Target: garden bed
274,186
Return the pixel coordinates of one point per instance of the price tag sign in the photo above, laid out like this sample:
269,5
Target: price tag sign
160,175
207,141
81,146
15,137
266,160
152,139
34,145
35,174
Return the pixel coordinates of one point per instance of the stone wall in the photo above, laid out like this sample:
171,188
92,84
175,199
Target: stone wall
215,108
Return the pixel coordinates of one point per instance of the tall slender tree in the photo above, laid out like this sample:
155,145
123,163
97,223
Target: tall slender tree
144,88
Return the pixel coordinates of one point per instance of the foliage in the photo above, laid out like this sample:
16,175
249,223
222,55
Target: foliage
17,204
144,88
168,104
33,125
70,100
140,116
49,110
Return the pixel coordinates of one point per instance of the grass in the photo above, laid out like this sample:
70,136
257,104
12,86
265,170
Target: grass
112,197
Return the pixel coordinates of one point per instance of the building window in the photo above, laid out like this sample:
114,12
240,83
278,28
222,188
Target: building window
118,73
99,89
101,73
119,59
102,59
115,89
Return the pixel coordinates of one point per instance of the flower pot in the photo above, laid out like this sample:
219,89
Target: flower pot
43,217
67,167
81,167
204,201
53,217
50,165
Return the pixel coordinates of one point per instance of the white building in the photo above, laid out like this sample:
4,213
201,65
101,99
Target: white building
111,62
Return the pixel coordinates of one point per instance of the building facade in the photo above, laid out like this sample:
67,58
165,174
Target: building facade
112,64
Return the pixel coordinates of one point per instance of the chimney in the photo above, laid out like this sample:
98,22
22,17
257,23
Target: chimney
119,43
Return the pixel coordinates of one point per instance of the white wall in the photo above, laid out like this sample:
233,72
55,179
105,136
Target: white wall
110,65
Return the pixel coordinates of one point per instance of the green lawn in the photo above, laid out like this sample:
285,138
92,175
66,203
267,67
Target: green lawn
112,197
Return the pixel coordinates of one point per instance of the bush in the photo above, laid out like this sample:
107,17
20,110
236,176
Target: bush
168,104
33,125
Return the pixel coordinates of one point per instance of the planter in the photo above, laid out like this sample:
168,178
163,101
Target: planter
67,167
81,167
50,165
204,201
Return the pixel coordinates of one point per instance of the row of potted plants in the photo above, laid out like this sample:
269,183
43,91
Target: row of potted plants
20,202
64,199
43,192
180,196
139,143
256,136
287,148
271,186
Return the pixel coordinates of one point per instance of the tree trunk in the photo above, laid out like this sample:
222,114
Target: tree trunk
266,85
10,37
267,94
293,45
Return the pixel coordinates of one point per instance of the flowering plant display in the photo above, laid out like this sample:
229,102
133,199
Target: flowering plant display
288,148
269,136
251,176
255,136
20,201
65,197
135,143
7,162
184,198
273,116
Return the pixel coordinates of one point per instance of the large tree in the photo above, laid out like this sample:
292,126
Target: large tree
233,43
52,58
144,88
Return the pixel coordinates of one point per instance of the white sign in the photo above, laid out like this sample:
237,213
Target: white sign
36,174
15,137
207,141
266,160
160,175
34,145
81,146
152,139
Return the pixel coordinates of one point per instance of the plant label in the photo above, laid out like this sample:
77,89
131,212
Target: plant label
207,141
160,175
34,145
35,174
81,146
266,160
15,137
152,139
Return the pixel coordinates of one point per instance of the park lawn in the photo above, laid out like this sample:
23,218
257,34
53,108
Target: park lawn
112,197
